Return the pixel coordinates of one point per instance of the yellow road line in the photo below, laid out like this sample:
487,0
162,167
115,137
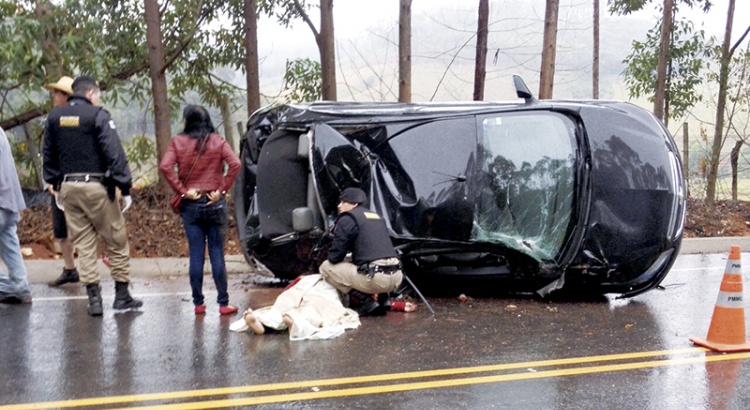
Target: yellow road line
98,401
359,391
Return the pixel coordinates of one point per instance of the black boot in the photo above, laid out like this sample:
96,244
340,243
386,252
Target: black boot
67,276
365,304
123,300
95,299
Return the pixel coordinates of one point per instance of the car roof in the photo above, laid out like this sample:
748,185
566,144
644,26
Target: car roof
379,112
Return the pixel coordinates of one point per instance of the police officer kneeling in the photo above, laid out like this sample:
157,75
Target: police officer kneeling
376,268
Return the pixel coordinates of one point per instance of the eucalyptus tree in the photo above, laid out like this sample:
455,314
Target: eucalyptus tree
727,51
404,51
595,61
252,72
549,50
738,110
668,9
286,11
480,61
685,63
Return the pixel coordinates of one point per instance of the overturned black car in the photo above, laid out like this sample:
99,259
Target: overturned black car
536,196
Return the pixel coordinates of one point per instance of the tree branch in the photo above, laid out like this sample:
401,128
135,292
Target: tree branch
183,44
22,118
305,17
449,66
734,47
343,75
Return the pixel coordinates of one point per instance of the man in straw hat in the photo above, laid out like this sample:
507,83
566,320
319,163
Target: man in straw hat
60,91
376,268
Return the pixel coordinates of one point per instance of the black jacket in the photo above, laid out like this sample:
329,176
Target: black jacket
362,232
81,138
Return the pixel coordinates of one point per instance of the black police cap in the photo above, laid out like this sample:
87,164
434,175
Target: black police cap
353,196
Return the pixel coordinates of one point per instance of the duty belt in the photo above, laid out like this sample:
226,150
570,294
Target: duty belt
370,269
83,178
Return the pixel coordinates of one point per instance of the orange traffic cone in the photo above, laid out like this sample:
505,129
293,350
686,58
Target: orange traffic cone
727,330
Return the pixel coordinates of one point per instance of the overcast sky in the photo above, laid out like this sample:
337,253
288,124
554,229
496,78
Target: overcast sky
443,46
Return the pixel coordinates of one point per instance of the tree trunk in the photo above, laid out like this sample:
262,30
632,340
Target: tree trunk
661,68
734,159
595,65
685,152
50,47
547,74
35,156
226,116
325,40
480,64
52,71
156,60
721,103
251,56
404,51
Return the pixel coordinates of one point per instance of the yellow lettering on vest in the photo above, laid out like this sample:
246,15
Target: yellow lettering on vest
371,215
71,121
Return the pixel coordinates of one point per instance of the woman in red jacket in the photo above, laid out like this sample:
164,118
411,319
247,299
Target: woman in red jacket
199,155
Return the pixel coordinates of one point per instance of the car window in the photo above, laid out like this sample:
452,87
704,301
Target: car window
527,198
431,175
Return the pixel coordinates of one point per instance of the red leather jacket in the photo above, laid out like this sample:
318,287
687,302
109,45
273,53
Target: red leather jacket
208,173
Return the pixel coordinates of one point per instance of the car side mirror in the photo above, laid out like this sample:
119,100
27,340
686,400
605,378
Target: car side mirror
302,220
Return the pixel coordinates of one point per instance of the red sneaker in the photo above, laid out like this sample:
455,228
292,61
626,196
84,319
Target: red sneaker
200,309
227,310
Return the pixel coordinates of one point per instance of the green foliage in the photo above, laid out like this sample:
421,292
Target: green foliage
302,80
630,6
685,58
738,88
107,40
140,150
626,6
285,11
24,166
141,154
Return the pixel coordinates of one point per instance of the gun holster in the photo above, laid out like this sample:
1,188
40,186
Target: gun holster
110,185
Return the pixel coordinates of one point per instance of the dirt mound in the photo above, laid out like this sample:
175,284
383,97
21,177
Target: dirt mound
726,218
153,229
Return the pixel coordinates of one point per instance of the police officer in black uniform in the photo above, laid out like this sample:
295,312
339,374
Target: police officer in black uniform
84,162
374,267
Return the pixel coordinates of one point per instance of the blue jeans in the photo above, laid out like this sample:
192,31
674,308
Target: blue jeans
17,282
206,224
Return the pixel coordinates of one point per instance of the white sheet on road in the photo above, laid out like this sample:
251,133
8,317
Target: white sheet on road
315,307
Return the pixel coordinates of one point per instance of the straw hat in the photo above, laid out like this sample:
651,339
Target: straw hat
64,84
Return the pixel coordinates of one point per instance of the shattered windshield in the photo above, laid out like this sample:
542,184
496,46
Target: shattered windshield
504,178
526,199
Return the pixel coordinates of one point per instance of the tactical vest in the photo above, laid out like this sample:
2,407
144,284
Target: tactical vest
78,147
373,241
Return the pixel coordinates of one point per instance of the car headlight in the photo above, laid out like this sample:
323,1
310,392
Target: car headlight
677,212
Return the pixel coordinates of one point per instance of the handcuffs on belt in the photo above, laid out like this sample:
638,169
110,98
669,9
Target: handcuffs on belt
371,269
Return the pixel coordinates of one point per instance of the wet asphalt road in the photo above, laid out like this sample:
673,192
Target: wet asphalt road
504,353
